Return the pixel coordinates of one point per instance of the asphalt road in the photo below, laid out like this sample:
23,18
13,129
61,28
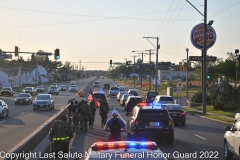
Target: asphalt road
200,137
22,120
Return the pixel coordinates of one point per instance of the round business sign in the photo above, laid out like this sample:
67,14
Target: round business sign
197,36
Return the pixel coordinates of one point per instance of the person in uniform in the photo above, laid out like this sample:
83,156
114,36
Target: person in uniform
93,112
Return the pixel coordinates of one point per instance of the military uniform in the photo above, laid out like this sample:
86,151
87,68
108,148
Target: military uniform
103,111
85,115
60,135
93,112
76,117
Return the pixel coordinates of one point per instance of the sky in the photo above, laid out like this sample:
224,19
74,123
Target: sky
97,31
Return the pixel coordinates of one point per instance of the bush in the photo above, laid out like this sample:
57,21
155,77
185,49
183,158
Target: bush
197,98
218,106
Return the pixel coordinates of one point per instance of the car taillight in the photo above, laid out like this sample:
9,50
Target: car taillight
136,122
170,123
183,113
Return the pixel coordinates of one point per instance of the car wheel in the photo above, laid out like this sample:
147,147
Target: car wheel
227,154
183,123
170,140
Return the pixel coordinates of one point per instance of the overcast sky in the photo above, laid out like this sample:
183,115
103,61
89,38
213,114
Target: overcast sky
95,31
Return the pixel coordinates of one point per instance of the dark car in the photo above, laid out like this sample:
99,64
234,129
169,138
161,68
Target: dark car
30,90
150,122
131,102
106,86
98,97
133,91
176,112
40,89
43,101
23,98
7,91
151,96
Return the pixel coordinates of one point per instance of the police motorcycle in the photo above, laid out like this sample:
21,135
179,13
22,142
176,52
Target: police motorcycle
75,119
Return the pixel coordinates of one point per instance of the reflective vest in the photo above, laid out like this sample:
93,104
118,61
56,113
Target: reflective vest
61,139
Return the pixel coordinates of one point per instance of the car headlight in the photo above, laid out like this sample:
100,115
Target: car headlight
27,99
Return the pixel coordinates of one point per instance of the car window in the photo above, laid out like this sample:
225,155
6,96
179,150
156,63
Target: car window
5,88
43,97
114,88
153,114
28,88
23,95
53,87
62,86
152,94
177,107
166,99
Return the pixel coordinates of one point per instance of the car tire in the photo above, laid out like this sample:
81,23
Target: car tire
170,140
227,154
183,123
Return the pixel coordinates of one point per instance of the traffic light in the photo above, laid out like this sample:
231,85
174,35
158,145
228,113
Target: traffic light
110,63
57,54
16,51
208,75
127,64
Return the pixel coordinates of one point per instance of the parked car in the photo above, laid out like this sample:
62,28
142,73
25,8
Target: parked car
176,112
124,98
151,96
40,89
73,88
3,109
62,87
113,91
131,102
43,101
163,99
120,93
30,90
23,98
53,90
133,91
7,91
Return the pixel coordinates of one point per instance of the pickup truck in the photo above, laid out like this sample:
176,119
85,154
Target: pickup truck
113,91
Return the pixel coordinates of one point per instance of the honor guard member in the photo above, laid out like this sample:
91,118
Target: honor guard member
60,135
85,114
93,112
103,111
76,116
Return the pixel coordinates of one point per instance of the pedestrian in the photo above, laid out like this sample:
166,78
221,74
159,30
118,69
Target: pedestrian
76,116
93,112
85,114
103,111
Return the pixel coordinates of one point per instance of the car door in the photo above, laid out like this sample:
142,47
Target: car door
236,137
4,109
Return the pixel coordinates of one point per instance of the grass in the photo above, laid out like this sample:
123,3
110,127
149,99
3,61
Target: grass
211,109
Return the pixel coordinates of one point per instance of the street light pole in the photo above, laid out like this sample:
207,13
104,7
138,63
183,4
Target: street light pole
150,71
187,76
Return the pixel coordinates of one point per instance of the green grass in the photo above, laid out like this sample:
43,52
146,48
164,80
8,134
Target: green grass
211,109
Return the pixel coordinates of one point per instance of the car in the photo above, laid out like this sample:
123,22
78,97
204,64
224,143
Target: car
163,99
126,150
53,90
150,122
151,96
43,101
119,95
113,91
72,83
124,98
23,98
98,97
54,84
3,109
7,91
106,86
30,90
40,89
96,84
118,85
121,88
232,141
62,87
176,112
73,88
133,91
131,102
237,115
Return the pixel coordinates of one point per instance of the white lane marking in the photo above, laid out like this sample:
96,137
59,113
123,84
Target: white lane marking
200,137
3,121
22,113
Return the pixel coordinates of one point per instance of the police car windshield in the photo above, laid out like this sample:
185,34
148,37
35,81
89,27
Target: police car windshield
153,114
43,97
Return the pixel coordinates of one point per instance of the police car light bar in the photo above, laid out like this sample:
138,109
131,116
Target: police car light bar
124,145
150,105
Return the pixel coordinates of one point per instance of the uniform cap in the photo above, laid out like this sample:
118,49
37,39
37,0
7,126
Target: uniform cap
114,112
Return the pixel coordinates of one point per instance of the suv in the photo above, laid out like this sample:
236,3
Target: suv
131,102
96,84
133,91
150,122
6,91
231,140
163,99
113,91
151,96
106,86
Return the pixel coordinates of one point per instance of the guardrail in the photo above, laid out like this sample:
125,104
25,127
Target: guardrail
30,142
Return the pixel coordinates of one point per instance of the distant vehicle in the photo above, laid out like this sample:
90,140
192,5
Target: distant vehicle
23,98
119,95
163,99
121,88
176,112
96,84
118,85
124,98
40,89
7,91
151,96
62,87
73,88
72,83
113,91
131,102
43,101
3,109
53,90
30,90
133,91
106,86
54,84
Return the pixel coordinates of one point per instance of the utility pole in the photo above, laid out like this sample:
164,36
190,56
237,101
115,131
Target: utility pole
126,69
150,71
187,76
141,67
134,69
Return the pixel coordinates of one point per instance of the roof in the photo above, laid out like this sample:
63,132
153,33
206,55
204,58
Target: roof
163,96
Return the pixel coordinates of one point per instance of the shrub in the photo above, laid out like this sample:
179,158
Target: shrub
218,106
197,98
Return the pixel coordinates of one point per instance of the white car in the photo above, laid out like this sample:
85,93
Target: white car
232,141
53,90
237,115
119,95
3,109
121,88
113,91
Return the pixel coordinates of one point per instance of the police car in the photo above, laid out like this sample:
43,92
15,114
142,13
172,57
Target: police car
151,122
126,150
